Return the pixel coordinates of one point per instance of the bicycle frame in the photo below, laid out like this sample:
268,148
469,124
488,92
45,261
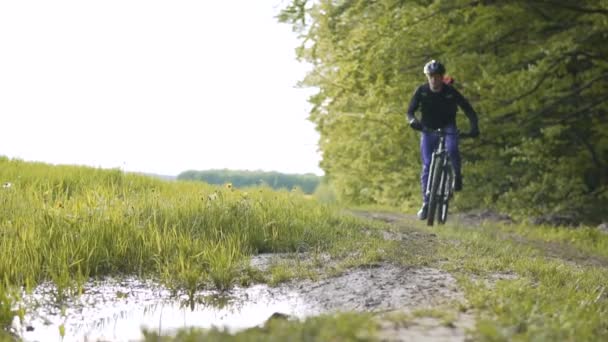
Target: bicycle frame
440,184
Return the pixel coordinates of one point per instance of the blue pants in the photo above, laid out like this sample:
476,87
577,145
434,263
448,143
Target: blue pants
428,142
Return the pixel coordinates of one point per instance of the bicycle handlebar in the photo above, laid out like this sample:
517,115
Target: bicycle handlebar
441,131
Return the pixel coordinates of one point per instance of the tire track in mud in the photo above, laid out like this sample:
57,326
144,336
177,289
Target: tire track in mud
430,329
558,250
552,249
419,289
410,302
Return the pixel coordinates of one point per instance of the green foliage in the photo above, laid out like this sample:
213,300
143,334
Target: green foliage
65,223
325,193
306,182
7,301
68,224
536,71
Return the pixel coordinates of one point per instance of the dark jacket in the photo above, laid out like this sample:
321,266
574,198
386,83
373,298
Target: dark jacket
439,109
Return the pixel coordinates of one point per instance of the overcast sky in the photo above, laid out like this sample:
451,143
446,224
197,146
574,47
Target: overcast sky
153,86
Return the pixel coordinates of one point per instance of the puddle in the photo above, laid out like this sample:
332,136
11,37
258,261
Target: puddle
119,310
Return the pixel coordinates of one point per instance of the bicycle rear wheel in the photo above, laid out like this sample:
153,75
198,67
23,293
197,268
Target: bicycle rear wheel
434,196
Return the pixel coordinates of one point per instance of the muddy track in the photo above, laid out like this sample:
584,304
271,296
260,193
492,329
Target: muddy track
424,288
551,249
405,299
391,290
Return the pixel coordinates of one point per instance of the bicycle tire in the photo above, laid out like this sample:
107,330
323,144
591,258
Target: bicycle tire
434,186
446,188
443,211
442,201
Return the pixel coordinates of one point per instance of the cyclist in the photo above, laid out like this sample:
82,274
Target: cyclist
438,102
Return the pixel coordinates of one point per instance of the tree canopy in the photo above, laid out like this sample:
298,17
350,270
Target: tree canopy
536,71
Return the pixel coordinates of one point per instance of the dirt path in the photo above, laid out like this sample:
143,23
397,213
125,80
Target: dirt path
411,303
419,303
551,249
403,297
417,293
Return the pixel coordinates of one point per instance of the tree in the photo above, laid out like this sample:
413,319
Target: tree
536,71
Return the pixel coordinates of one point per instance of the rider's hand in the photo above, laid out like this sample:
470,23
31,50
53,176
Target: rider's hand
415,124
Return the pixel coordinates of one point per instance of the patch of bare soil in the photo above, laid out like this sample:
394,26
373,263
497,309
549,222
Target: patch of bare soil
427,329
475,218
383,216
383,287
388,290
419,288
420,296
391,289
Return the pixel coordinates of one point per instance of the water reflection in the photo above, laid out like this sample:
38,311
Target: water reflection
119,310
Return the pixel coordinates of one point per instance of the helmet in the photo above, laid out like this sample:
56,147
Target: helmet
434,67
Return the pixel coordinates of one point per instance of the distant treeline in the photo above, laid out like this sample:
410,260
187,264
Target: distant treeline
238,178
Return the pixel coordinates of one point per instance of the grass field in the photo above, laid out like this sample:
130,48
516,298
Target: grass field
68,224
518,286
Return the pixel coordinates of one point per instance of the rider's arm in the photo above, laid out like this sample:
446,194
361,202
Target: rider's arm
414,104
464,104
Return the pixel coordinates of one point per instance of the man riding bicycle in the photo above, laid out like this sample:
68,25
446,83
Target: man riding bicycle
438,104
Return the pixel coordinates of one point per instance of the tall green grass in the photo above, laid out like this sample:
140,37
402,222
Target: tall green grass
339,327
66,224
521,294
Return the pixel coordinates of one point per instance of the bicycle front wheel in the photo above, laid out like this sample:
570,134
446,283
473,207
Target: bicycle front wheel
445,189
434,196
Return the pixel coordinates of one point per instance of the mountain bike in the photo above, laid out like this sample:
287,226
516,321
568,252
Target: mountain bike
440,184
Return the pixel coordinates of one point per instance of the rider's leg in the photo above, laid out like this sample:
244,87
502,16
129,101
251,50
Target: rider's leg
451,144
